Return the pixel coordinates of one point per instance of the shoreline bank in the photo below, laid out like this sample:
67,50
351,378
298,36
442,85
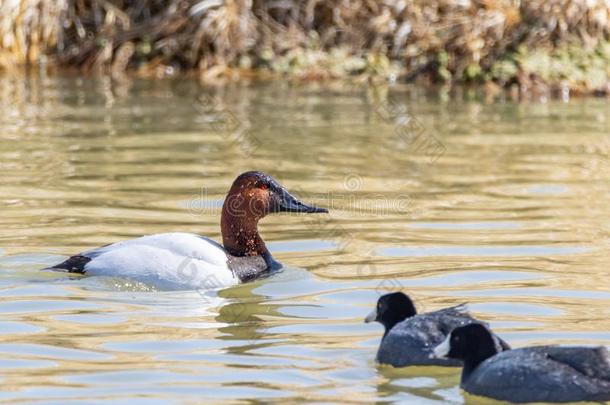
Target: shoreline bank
553,47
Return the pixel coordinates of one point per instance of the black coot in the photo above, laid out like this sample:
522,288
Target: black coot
530,374
409,338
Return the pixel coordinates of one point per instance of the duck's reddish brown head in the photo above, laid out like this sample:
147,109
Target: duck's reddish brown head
252,196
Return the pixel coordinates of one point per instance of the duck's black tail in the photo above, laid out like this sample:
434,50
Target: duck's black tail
75,264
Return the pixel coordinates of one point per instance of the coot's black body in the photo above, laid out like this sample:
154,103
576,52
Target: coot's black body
410,337
531,374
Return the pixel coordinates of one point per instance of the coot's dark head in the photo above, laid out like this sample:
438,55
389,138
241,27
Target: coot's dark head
471,343
391,309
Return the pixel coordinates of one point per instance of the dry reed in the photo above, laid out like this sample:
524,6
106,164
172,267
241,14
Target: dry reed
446,39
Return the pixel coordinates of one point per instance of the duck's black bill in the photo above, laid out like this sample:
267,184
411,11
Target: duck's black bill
288,203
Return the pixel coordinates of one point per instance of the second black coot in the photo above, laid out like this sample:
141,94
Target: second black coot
529,374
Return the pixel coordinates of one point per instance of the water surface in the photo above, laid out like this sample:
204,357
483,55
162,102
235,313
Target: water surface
498,203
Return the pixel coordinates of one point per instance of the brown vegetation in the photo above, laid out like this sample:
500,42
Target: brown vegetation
449,40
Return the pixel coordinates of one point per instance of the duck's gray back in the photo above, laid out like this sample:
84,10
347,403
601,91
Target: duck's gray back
543,374
411,341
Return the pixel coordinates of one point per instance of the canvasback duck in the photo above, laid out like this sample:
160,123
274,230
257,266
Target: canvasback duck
189,261
409,338
528,374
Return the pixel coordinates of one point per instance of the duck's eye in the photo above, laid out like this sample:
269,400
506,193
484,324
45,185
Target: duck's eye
263,186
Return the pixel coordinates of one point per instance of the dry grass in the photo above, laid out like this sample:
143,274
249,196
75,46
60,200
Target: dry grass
28,30
447,39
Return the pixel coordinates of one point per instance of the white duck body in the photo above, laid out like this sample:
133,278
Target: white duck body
166,261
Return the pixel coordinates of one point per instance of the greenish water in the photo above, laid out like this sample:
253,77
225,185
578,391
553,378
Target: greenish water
500,204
